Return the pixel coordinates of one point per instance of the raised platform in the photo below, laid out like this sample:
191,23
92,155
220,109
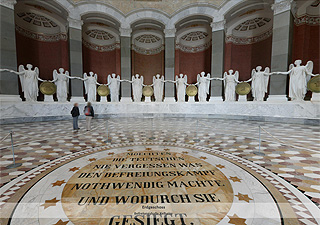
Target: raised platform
288,112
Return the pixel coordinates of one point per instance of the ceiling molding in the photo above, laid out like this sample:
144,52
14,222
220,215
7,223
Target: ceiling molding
307,19
144,51
196,49
248,40
252,24
41,36
101,48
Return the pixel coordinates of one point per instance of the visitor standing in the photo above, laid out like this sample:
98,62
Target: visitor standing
75,115
88,111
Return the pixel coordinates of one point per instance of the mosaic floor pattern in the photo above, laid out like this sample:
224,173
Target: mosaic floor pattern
51,153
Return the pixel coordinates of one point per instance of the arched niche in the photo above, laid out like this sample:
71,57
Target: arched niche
41,37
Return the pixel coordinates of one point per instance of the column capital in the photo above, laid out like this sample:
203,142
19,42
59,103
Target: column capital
125,32
8,3
75,23
218,25
281,6
169,32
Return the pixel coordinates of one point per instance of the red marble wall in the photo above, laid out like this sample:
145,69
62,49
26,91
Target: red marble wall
306,45
101,63
246,57
192,63
47,56
147,65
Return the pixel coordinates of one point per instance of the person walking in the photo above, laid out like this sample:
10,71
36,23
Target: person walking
75,115
88,111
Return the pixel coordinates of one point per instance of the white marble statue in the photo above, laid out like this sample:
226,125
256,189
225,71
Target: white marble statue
230,82
137,84
299,77
203,83
90,84
158,84
61,80
29,81
114,86
259,84
181,84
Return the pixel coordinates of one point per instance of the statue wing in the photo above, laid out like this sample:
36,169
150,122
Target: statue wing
96,76
141,78
185,78
85,76
21,69
118,83
67,73
208,83
55,75
291,66
177,77
236,74
309,67
198,77
154,79
224,79
266,79
133,78
253,73
162,83
109,79
36,70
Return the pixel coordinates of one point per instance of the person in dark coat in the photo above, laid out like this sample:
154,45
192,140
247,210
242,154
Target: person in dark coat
75,115
89,112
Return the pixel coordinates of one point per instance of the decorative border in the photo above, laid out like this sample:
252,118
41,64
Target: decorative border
250,40
42,37
144,51
295,198
101,48
199,48
307,19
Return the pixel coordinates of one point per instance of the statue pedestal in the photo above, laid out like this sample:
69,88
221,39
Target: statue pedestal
169,99
315,97
277,98
302,112
48,98
191,99
103,99
77,99
215,99
242,98
147,99
10,98
126,99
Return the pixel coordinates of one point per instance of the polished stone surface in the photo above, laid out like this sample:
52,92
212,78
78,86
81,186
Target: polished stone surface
235,191
291,155
292,112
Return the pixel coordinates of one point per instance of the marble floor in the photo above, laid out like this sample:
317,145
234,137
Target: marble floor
283,181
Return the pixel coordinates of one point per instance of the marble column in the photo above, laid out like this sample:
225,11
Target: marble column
125,48
281,48
169,62
75,59
217,59
9,88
